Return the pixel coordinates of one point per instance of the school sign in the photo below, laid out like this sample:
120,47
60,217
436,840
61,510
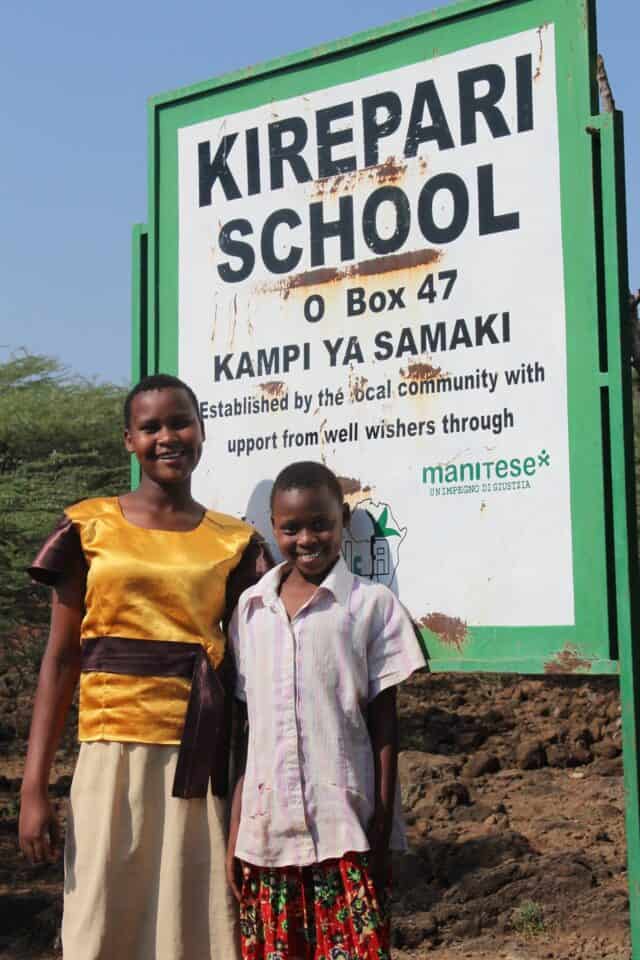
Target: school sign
401,254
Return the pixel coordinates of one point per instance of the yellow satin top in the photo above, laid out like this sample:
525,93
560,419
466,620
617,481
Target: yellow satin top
150,585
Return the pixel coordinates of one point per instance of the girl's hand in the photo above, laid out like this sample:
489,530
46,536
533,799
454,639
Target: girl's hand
39,832
38,829
241,734
234,875
379,856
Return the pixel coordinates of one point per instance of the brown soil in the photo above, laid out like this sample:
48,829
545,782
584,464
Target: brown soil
514,801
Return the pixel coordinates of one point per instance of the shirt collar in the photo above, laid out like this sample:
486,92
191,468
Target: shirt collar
338,582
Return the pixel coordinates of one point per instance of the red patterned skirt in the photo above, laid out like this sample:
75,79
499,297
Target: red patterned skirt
327,911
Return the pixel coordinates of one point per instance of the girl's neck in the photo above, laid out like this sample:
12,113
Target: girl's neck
294,591
302,582
152,505
170,499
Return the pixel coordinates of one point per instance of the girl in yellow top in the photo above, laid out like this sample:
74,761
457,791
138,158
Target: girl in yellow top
142,587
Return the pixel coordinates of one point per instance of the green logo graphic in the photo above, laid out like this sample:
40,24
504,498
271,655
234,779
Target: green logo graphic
371,546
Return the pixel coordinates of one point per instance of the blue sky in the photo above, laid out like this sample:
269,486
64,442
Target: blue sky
75,79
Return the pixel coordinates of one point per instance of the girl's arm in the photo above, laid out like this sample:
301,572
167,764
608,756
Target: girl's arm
240,760
383,730
39,833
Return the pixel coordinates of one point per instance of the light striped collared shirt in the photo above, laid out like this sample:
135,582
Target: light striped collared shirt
309,784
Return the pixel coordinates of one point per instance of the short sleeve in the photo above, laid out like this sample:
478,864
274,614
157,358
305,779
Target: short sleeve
394,652
236,652
60,555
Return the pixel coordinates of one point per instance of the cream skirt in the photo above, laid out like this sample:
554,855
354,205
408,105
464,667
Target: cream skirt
144,871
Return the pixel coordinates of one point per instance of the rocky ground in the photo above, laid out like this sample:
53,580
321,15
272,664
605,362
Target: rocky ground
514,801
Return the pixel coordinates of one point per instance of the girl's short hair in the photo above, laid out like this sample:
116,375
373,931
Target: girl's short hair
304,475
159,381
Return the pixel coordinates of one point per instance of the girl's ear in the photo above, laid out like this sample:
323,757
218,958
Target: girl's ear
346,514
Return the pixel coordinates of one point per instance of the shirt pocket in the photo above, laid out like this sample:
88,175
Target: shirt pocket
352,766
258,802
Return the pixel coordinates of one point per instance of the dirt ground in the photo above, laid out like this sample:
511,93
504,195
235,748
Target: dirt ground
513,795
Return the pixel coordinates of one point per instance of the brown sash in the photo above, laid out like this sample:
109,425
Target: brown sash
204,747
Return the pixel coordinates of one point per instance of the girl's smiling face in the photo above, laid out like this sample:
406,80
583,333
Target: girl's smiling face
308,524
165,434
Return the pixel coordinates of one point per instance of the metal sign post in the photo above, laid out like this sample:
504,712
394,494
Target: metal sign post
403,254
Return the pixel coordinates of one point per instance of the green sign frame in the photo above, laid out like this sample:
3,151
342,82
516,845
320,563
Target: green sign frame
593,224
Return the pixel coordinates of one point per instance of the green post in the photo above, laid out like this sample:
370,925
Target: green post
139,279
609,128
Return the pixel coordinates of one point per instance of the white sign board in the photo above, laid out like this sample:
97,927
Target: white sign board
371,275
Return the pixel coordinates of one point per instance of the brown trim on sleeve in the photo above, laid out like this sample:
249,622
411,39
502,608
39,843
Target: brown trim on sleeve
60,554
255,562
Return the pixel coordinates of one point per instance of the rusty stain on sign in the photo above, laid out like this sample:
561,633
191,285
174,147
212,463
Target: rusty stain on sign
568,660
538,72
232,338
364,268
274,388
391,171
420,371
356,384
450,630
323,440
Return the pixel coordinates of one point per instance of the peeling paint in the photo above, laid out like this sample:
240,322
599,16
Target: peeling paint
234,322
323,456
351,486
391,171
451,630
274,388
421,371
568,660
538,72
365,268
356,383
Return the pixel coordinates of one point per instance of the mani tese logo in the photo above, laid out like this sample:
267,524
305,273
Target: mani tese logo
485,476
371,547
